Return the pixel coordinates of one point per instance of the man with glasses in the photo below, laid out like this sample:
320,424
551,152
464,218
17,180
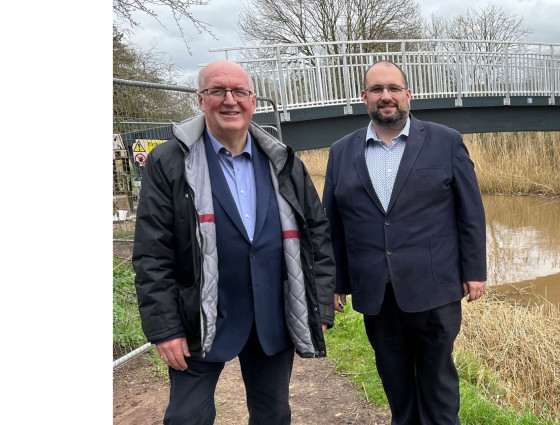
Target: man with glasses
408,234
232,256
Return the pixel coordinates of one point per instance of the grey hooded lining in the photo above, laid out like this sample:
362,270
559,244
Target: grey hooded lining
197,176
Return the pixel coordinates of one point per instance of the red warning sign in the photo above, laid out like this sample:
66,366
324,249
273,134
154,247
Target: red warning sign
140,158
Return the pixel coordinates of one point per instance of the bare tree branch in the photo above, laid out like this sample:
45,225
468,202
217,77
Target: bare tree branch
308,21
491,23
125,9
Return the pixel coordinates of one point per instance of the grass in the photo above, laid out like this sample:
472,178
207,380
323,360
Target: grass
490,393
127,331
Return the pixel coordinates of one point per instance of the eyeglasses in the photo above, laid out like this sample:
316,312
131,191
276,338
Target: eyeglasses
378,90
239,95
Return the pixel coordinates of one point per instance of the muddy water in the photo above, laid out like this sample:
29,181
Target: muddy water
523,243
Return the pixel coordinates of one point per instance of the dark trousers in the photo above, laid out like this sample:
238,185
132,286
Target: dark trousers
266,378
413,354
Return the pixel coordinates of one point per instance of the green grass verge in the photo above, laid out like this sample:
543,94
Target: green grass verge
350,352
127,331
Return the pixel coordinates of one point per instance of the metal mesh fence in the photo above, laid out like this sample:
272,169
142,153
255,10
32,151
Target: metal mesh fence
142,117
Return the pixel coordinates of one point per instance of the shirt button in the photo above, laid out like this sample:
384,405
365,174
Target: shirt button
246,215
242,191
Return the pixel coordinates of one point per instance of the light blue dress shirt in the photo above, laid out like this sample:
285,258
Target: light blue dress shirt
383,161
240,176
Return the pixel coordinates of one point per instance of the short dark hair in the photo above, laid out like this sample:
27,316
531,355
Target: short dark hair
388,62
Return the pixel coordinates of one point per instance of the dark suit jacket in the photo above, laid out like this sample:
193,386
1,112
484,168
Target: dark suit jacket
432,237
250,274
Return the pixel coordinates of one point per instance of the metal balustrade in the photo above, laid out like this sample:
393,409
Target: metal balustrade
321,74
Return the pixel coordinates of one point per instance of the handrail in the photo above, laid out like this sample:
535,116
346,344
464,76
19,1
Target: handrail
436,68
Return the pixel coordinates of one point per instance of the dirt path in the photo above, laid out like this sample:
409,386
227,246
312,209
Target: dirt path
319,396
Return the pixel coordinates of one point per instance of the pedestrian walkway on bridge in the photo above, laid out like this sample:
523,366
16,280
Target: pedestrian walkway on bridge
473,86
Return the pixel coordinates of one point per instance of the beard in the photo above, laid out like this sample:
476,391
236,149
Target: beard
392,122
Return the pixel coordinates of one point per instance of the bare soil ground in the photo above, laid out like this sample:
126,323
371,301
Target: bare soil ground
319,396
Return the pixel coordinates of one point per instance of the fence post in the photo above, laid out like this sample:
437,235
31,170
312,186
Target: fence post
458,78
403,56
551,100
348,107
285,115
507,100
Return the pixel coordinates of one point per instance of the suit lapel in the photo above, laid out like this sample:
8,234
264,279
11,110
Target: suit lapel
220,188
361,166
413,146
263,186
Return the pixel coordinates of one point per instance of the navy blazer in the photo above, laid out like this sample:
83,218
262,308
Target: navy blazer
433,235
250,273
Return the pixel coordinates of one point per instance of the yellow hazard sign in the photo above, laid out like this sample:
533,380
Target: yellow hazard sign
145,145
137,147
150,144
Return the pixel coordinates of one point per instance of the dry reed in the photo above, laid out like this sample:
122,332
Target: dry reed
520,345
525,163
316,163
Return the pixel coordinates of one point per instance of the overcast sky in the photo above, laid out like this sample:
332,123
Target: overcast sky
541,16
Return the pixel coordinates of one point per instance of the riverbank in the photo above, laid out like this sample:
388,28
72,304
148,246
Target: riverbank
524,163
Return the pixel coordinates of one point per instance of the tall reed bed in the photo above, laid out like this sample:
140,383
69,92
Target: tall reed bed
520,346
525,163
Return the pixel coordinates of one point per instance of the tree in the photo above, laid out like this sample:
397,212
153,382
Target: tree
309,21
146,104
124,10
491,23
130,63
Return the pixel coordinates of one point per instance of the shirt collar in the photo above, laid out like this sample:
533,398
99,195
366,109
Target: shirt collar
217,146
371,134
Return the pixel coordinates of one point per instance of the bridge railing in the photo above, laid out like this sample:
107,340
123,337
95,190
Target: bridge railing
322,74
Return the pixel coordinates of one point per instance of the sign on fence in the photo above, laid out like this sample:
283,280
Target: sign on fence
142,147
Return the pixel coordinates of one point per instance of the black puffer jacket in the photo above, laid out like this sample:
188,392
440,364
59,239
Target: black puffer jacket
167,256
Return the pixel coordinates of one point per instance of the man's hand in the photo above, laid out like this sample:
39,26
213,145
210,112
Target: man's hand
339,302
173,352
474,290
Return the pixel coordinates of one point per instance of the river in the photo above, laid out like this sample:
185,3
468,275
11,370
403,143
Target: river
523,244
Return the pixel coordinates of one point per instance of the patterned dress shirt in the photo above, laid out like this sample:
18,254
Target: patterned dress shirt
383,161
